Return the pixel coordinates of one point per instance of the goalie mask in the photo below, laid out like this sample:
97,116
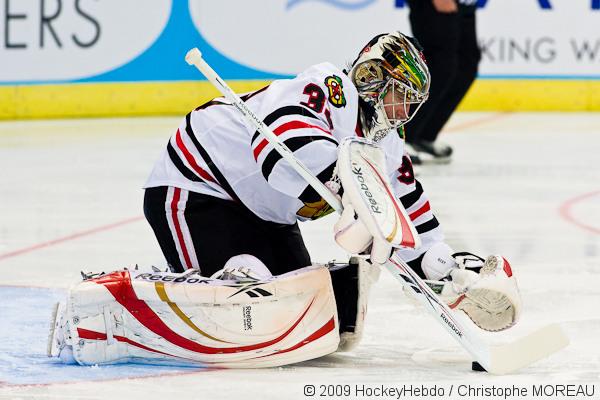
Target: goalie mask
392,81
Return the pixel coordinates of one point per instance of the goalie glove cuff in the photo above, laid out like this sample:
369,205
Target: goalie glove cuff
438,262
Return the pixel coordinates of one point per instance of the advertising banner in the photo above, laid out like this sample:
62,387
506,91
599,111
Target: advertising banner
59,42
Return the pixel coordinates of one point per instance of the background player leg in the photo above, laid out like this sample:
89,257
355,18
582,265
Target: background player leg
439,34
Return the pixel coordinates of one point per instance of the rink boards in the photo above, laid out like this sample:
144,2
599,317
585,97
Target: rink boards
73,61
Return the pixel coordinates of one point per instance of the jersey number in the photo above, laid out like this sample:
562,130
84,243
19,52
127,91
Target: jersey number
316,97
316,101
407,176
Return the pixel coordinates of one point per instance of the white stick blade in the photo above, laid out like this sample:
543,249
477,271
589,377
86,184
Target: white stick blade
527,350
193,56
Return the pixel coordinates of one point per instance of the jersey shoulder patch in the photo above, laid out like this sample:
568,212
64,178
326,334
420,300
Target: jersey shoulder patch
335,87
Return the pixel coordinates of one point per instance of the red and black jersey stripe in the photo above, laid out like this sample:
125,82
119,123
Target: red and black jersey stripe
209,162
216,102
408,200
293,144
185,171
310,195
213,102
283,111
250,95
427,226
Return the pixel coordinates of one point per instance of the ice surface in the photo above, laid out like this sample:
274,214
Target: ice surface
523,185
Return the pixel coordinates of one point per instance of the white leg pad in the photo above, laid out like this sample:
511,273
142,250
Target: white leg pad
166,318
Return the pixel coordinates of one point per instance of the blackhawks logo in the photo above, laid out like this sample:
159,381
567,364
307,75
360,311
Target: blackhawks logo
315,210
336,94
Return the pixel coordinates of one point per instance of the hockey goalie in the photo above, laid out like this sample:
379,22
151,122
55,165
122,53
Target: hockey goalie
241,289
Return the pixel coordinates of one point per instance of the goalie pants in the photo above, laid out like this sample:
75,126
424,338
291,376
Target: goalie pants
200,231
450,46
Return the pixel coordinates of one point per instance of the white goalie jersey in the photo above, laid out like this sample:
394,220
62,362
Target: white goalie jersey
217,153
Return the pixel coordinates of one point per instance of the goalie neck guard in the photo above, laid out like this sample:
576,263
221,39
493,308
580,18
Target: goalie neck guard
389,63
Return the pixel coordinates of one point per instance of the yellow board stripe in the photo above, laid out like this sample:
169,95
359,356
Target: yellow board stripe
110,99
533,95
178,98
162,294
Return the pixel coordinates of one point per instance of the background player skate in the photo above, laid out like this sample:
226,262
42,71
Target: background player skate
220,190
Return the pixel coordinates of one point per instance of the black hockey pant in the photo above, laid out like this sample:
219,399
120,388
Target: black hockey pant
196,230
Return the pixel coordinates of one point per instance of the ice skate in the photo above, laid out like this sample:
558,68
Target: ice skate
432,152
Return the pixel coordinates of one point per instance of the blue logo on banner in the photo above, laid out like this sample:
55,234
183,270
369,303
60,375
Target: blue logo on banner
346,5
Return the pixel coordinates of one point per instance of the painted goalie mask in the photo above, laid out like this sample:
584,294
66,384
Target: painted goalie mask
389,64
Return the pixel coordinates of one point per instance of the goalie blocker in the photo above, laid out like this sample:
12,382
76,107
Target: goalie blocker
253,321
372,215
374,220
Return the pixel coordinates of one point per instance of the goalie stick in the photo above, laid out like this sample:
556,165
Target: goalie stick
496,359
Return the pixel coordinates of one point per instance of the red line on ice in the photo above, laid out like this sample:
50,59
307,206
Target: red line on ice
476,122
73,236
565,211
